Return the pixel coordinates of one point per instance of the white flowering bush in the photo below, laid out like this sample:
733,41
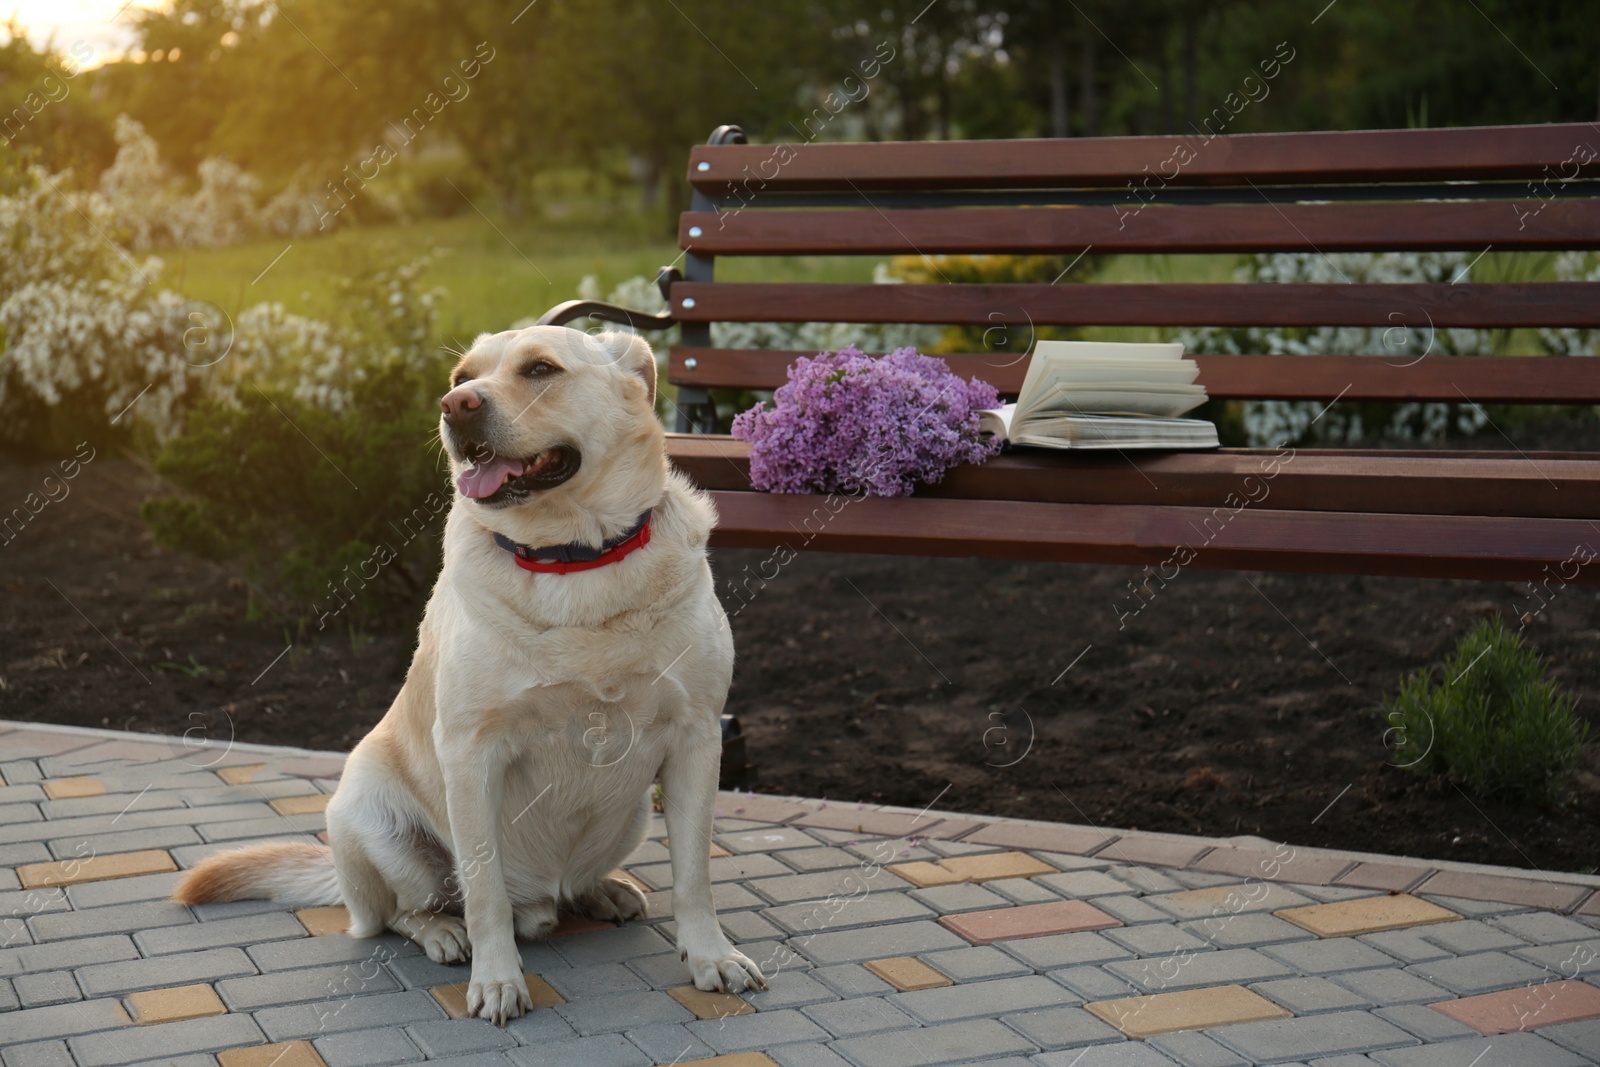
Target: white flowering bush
1566,340
1408,338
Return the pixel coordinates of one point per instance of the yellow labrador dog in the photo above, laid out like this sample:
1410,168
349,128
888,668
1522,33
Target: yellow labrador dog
572,651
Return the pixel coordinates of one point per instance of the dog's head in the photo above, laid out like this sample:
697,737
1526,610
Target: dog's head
549,414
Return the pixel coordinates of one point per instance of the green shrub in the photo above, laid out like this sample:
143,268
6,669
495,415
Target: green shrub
1494,723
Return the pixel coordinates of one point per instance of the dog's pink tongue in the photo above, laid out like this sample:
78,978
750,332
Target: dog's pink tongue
484,479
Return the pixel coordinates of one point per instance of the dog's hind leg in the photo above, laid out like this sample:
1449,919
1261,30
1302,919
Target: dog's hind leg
367,896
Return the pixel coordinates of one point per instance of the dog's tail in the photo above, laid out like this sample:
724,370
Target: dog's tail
284,870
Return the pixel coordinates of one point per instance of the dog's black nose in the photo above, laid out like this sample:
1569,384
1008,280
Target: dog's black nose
462,406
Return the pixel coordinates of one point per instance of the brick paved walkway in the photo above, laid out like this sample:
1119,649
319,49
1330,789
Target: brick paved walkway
891,938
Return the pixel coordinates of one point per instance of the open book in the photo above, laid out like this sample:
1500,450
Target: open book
1105,394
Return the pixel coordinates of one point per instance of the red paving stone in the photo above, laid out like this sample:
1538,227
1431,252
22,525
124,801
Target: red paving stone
1030,920
1153,851
1530,892
1525,1008
1070,839
1394,877
1284,863
1591,906
853,820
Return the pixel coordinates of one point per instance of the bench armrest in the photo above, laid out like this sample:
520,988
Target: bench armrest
566,311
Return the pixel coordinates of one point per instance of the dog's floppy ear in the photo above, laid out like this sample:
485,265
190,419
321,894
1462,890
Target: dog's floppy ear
633,354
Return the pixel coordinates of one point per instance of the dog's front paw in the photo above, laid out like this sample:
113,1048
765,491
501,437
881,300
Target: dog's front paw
498,1001
730,971
613,900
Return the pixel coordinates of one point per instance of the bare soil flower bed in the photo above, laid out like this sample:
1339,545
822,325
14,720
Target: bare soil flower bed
1232,703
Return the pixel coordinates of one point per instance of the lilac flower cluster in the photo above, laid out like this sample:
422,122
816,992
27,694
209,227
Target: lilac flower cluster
847,422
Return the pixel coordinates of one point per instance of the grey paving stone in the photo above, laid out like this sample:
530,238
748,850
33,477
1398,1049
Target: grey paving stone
236,831
63,954
821,858
723,869
622,1011
126,841
1474,908
852,980
1068,862
357,1013
610,946
975,964
964,896
46,987
1128,1054
1307,1038
669,1043
38,1054
665,970
1408,946
1390,985
293,952
367,1048
607,1050
864,1015
1024,891
1466,936
116,919
248,931
458,1037
790,989
1543,927
871,910
898,939
767,839
1194,1049
1567,960
1146,879
1330,956
1092,983
296,987
1331,893
209,965
948,1043
727,896
77,828
8,996
1064,950
571,982
62,1020
1483,972
164,1041
880,852
540,1026
1502,1050
746,1033
1308,996
1581,1037
1426,1023
1155,939
1065,1026
1190,971
235,909
17,905
742,926
1250,930
813,1056
124,890
14,855
973,999
18,771
820,885
1131,910
17,813
24,792
1078,885
1237,900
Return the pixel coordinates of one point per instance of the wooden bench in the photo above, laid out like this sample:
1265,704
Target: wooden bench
1502,514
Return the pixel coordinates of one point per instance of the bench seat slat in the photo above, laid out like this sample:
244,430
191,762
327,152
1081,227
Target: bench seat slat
1484,379
1542,485
1343,227
1422,546
1531,304
1466,153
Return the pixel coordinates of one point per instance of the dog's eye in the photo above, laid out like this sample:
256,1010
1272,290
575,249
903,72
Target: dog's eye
459,379
539,368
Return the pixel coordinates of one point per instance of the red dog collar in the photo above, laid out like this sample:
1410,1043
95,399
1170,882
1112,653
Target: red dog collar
565,559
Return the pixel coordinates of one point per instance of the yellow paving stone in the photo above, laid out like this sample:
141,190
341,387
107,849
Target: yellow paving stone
69,788
94,869
1189,1009
174,1004
333,919
710,1005
240,775
301,805
623,876
906,973
283,1054
923,874
987,866
738,1059
1366,915
453,998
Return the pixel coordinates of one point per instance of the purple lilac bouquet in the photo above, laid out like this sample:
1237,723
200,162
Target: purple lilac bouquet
851,423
